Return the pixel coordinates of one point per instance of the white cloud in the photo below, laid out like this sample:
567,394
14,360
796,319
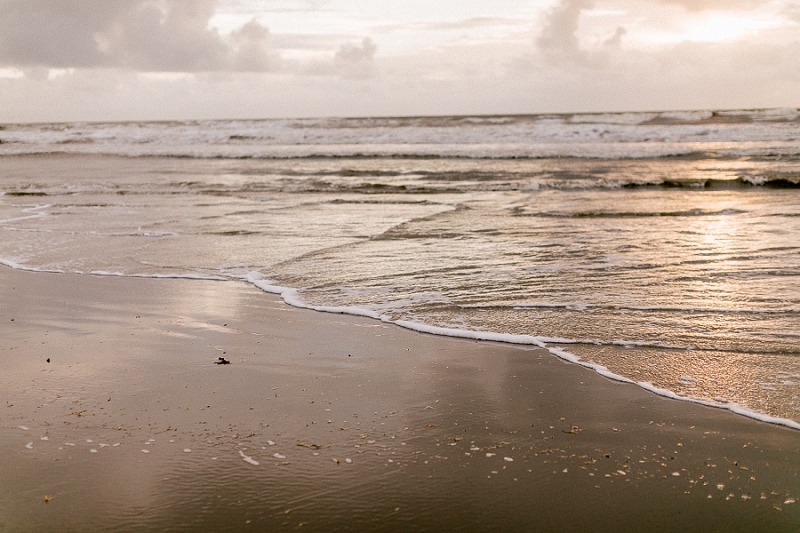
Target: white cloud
11,73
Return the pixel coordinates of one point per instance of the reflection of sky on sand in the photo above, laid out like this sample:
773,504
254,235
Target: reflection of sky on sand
166,397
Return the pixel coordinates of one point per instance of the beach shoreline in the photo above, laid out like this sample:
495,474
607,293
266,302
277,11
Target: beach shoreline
114,410
678,286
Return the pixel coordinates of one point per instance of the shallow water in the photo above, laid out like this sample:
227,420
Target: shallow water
682,272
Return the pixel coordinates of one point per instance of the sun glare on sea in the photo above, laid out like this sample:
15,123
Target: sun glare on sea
718,233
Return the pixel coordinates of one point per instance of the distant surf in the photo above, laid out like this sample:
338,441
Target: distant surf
767,133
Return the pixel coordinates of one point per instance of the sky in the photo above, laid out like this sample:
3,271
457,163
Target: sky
108,60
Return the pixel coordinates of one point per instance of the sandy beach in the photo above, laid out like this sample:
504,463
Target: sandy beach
379,266
116,418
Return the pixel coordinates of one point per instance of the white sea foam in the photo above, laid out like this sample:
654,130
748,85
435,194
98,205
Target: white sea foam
597,150
609,135
27,217
186,275
687,115
159,276
735,408
18,266
666,309
292,297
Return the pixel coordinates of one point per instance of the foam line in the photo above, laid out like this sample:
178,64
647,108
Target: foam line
159,276
27,217
18,266
733,407
612,307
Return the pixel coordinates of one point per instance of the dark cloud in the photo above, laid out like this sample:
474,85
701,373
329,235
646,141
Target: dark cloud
147,35
55,34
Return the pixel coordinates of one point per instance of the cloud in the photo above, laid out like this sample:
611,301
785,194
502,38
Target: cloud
691,75
253,51
476,22
793,12
316,4
615,40
578,32
54,34
140,59
145,35
356,62
558,39
704,5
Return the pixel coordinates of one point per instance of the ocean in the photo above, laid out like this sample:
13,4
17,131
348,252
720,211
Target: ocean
661,249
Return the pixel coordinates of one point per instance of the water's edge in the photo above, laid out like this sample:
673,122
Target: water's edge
291,297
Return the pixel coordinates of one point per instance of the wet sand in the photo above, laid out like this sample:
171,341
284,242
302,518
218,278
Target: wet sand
337,423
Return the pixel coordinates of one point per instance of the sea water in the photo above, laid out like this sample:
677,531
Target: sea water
658,248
